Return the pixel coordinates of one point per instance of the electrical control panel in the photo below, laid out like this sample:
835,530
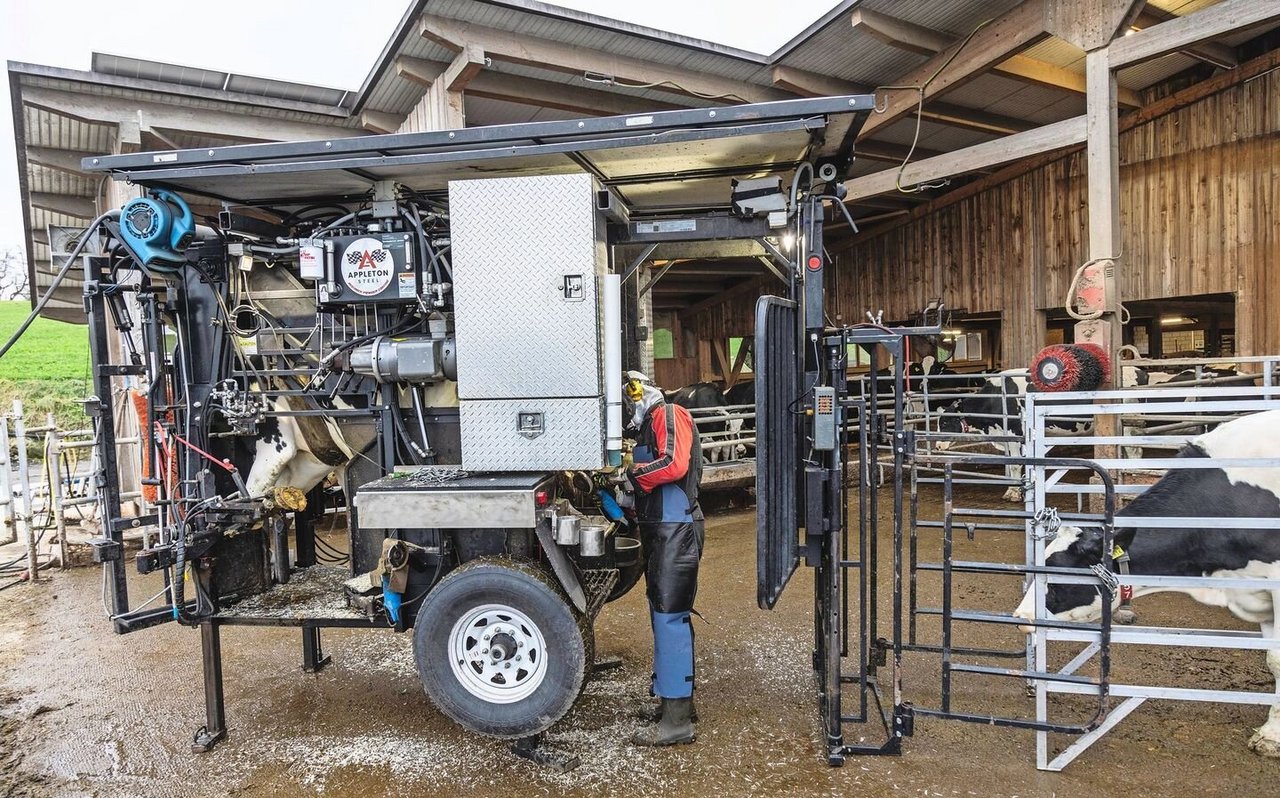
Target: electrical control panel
368,268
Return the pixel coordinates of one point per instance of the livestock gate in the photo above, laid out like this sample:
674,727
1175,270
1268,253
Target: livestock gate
966,640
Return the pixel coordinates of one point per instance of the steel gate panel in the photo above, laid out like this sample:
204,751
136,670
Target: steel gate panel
778,434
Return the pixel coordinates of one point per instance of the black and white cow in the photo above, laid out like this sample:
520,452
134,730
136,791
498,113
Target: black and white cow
997,410
300,451
708,398
743,392
1215,549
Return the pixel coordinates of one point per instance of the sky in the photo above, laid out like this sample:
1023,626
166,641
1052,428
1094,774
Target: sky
64,33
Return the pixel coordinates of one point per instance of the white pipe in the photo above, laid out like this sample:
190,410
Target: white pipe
613,367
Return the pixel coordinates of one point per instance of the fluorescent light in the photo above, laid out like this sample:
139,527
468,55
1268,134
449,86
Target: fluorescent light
1168,321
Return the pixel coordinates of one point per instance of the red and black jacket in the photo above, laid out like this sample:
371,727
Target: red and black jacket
668,465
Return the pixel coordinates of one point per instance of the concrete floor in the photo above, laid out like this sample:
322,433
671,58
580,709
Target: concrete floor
86,712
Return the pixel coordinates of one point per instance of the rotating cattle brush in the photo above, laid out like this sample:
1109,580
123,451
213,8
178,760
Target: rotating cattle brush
1070,367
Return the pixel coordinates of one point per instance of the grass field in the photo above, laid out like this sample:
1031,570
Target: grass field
48,369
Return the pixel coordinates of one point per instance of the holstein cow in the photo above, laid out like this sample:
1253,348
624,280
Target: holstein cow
997,410
1214,549
744,393
300,451
707,397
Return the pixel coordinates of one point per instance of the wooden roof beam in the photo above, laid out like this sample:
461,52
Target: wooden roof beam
889,153
1226,17
995,42
465,66
531,91
809,84
926,41
67,161
1213,53
515,48
971,159
380,122
80,207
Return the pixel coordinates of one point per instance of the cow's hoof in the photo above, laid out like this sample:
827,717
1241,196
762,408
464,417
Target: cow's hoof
1265,746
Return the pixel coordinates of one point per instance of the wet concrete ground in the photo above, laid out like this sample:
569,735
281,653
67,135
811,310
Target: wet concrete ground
84,712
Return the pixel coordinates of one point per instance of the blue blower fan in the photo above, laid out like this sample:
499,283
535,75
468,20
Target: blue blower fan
157,230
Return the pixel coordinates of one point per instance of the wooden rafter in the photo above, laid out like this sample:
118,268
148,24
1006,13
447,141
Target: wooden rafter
1155,110
995,42
809,84
980,156
1168,37
545,54
1213,53
531,91
67,161
927,41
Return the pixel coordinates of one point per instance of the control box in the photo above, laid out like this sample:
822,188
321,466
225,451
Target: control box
369,268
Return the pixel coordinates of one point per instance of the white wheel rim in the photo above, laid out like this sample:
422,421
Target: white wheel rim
498,654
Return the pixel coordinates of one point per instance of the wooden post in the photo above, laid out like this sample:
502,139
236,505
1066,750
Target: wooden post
1104,204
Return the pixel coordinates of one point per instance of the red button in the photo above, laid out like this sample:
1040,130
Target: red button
815,263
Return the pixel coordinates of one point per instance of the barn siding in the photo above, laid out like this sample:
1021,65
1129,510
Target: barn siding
1198,191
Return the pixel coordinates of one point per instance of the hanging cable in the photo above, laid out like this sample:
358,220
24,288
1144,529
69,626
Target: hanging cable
57,280
920,90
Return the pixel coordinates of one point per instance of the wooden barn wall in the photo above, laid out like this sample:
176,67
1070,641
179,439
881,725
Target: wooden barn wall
1199,189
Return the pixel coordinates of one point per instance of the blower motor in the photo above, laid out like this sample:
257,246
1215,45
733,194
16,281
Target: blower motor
1070,367
157,230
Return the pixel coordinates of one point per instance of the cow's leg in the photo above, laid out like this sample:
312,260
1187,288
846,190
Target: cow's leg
1266,740
1013,472
1131,452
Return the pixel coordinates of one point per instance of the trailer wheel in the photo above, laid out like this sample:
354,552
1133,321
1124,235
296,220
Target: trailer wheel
499,648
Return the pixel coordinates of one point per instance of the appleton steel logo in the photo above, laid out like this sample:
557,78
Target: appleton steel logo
367,267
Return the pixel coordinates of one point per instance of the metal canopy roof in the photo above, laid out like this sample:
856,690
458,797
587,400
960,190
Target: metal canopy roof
659,161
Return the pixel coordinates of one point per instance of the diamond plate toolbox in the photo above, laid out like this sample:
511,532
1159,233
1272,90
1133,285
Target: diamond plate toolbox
528,257
532,434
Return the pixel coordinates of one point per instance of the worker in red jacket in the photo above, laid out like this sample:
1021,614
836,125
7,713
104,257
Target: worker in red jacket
663,482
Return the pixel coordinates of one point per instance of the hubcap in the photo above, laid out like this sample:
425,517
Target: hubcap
498,654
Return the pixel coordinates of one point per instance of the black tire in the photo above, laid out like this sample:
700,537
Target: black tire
519,699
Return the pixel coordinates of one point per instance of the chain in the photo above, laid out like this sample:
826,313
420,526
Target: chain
1046,517
1109,580
436,476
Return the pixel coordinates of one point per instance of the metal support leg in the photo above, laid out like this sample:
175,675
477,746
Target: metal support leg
215,725
313,657
304,537
279,527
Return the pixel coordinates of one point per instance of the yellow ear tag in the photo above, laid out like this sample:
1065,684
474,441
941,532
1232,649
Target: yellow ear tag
1117,552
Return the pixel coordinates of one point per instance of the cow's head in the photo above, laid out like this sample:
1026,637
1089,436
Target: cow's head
1072,547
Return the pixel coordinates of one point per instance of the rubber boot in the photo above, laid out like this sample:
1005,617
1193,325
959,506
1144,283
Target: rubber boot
653,714
674,728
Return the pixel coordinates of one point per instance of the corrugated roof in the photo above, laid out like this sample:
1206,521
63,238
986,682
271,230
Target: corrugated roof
124,66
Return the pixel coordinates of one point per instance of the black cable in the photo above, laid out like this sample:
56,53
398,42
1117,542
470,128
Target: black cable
57,280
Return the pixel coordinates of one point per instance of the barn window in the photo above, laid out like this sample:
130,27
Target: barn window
663,344
735,346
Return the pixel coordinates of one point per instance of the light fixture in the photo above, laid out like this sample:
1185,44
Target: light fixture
788,241
952,333
1170,321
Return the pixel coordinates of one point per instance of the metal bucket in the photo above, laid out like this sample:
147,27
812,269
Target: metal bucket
567,530
592,541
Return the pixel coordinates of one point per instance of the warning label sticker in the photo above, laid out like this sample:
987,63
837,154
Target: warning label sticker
408,286
367,267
